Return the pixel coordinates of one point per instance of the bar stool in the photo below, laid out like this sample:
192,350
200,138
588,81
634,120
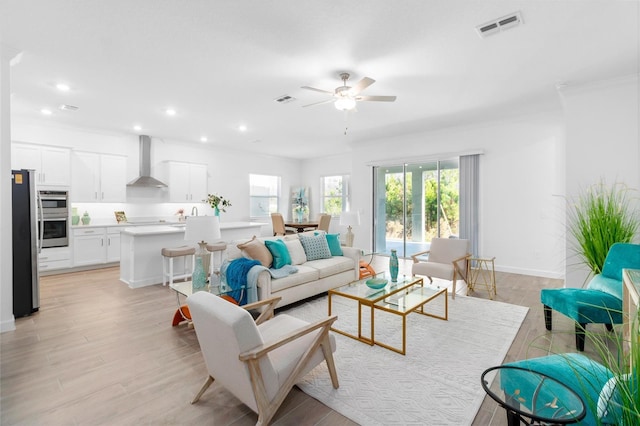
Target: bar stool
168,254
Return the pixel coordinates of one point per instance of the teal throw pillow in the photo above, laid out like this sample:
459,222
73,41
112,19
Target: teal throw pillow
279,252
315,247
333,240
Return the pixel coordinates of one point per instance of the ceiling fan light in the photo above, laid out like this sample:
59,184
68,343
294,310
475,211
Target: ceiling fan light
345,104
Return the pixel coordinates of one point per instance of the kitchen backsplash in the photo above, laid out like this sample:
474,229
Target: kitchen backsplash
104,213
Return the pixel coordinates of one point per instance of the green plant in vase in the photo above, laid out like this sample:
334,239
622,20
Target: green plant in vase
218,203
599,217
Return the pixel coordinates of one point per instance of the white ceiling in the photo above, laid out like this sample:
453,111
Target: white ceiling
221,64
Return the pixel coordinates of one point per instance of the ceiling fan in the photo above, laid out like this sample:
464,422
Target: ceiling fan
345,97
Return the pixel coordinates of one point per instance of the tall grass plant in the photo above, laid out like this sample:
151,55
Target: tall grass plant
600,216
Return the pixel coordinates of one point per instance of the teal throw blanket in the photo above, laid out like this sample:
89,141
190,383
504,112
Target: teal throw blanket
235,273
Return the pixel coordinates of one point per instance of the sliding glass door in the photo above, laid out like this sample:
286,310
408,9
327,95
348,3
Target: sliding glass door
414,203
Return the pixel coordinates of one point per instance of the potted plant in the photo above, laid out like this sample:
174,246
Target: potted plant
601,216
218,203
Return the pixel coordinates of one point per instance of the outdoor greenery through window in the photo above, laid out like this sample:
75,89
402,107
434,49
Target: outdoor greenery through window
334,194
264,192
414,204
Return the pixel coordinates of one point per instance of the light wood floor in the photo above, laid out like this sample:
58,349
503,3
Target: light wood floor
98,352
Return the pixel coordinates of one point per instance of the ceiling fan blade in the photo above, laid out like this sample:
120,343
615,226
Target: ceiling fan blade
317,90
326,101
362,84
376,98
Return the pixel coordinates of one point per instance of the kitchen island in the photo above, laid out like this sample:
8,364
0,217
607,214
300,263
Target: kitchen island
140,247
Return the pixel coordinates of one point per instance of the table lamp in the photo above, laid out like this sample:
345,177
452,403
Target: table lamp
201,229
348,219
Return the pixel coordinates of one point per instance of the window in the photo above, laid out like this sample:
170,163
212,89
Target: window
334,194
264,194
414,203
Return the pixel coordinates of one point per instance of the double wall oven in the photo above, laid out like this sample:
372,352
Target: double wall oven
53,216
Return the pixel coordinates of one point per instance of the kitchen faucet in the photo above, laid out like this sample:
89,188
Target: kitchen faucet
194,208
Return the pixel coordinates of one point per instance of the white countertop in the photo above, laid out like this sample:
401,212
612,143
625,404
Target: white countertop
179,228
152,230
109,223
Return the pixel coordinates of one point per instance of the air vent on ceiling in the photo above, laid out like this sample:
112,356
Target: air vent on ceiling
500,24
65,107
284,99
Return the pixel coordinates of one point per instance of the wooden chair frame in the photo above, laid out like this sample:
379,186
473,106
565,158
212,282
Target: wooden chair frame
267,409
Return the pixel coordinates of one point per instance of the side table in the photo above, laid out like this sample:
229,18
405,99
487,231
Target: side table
532,398
483,273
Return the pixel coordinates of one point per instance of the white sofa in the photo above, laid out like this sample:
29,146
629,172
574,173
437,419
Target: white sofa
313,276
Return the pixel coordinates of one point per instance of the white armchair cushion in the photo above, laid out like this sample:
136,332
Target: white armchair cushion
431,269
285,358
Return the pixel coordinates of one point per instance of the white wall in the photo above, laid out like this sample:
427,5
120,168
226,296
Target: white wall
521,173
602,121
7,321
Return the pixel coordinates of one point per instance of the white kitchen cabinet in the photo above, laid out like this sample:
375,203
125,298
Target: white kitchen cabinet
113,244
89,246
187,182
99,177
96,245
54,258
52,164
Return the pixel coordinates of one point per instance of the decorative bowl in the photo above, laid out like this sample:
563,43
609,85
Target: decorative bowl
376,283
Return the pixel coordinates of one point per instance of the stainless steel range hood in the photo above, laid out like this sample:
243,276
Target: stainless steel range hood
145,179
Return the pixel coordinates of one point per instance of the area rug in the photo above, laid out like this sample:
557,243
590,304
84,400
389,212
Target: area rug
437,382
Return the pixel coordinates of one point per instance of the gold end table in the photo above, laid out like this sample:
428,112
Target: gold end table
483,274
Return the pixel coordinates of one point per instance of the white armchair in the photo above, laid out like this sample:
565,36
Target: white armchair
447,260
258,361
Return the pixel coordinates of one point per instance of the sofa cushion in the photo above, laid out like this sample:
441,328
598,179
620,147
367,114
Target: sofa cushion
333,240
255,249
280,253
315,247
333,265
296,251
305,276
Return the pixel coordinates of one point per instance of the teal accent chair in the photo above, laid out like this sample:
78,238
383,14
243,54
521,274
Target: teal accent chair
593,382
601,301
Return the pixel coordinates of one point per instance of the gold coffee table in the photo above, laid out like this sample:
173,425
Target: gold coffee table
401,298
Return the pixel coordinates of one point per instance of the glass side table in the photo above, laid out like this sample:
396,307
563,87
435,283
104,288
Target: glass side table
481,272
185,289
532,398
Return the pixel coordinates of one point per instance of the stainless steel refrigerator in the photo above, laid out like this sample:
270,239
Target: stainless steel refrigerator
26,280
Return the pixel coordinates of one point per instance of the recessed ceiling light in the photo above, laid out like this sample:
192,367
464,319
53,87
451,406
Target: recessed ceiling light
203,139
137,128
63,87
242,128
171,111
46,111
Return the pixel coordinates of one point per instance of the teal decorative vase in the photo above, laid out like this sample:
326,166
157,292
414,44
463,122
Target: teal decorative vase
85,218
300,215
198,279
393,266
217,211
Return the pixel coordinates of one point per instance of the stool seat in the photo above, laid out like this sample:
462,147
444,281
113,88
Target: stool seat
178,251
217,246
170,253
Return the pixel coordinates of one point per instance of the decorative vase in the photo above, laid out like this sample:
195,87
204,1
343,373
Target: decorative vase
85,218
217,211
300,214
393,266
75,218
198,279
